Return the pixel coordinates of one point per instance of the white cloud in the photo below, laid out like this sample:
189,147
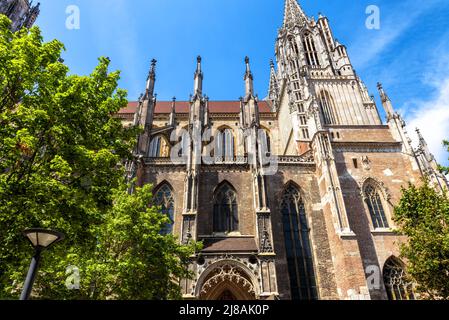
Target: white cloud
432,118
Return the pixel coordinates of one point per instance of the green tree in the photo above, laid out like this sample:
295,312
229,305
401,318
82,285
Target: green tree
61,167
423,216
445,170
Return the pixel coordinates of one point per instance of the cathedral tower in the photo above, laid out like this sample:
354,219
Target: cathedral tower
23,13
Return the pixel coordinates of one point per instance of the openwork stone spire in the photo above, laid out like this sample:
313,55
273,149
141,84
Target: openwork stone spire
273,91
293,14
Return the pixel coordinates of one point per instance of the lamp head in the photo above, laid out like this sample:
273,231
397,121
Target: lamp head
42,238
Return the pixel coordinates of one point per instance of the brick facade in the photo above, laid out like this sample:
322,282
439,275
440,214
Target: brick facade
329,146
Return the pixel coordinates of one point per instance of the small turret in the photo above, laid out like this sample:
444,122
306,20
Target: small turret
273,90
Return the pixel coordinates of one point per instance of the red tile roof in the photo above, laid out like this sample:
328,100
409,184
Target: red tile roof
184,106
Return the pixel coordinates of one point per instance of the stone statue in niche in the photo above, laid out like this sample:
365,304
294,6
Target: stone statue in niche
366,163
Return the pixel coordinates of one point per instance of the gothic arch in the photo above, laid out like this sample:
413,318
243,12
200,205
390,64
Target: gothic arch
161,184
395,280
294,184
163,196
221,184
376,183
227,276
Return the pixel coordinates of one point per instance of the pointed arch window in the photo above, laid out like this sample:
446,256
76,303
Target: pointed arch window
373,200
327,107
164,198
310,50
265,142
395,280
225,218
298,246
185,144
293,45
159,147
225,144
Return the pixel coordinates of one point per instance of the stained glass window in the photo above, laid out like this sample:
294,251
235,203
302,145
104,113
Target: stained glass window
396,284
225,144
164,198
297,245
374,202
159,148
225,217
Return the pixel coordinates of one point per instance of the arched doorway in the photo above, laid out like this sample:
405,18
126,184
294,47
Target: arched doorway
227,281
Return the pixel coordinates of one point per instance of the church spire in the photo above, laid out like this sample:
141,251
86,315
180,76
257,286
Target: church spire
273,89
198,87
293,13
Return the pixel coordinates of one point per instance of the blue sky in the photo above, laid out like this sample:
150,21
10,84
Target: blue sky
409,54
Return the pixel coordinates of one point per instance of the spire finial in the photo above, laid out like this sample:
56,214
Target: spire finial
382,92
151,79
152,72
386,102
420,136
198,64
248,69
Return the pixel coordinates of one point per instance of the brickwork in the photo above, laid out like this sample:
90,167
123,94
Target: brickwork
328,142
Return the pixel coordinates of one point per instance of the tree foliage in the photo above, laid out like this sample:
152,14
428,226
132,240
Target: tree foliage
423,216
445,170
61,167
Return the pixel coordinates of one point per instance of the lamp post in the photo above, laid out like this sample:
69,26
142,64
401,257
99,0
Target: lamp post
40,239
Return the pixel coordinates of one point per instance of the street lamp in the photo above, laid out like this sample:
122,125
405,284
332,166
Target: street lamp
40,239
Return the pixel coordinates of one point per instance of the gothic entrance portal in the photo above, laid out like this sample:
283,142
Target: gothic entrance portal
227,281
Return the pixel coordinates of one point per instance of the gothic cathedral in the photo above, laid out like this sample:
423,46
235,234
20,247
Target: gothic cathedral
293,195
22,13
